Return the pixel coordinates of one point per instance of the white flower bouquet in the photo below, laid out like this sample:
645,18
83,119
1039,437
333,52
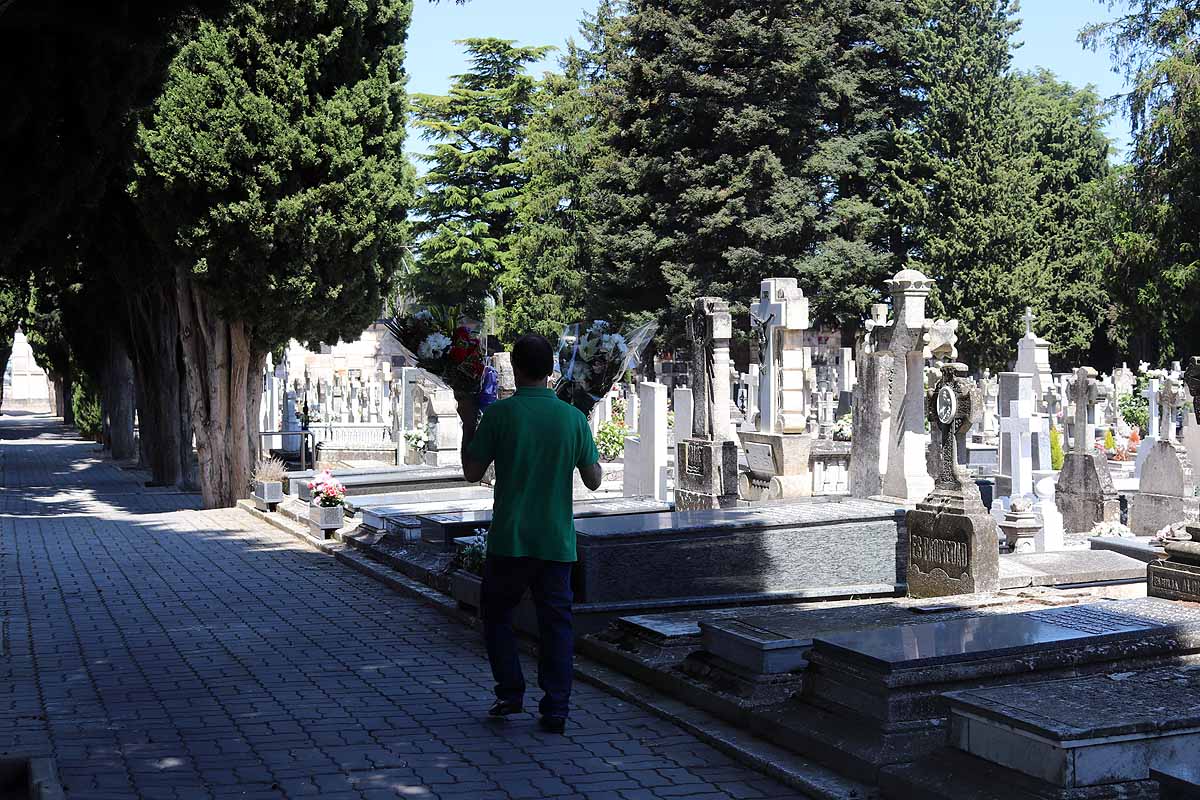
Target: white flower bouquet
418,438
443,346
591,360
1111,528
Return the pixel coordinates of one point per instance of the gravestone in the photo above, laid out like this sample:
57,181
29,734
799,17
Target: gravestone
1178,576
1151,392
706,465
952,540
445,426
847,378
505,377
1017,426
889,399
681,398
781,445
1033,359
645,470
1191,417
1167,488
1085,494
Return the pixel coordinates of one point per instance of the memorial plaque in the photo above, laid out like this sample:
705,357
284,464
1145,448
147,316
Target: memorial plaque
694,459
1173,581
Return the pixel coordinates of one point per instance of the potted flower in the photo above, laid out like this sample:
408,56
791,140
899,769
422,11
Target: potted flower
268,483
1111,528
417,440
325,513
466,582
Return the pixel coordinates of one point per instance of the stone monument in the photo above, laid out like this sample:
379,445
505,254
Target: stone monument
1033,358
1085,494
952,540
889,423
781,447
1167,489
706,465
1178,576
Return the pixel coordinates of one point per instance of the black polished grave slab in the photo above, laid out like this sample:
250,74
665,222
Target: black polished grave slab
398,480
443,528
804,549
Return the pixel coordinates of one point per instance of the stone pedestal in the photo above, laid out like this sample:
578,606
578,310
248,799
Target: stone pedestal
1178,577
1085,494
706,475
771,455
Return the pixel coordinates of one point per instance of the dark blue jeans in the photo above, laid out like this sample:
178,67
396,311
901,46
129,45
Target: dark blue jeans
504,583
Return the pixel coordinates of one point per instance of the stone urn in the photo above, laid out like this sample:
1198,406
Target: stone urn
325,519
267,495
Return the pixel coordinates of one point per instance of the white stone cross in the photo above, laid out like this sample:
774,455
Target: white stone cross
1019,426
782,312
1083,392
1029,318
1151,394
1169,402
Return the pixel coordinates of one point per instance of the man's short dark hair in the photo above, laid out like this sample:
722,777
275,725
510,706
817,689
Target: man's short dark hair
533,356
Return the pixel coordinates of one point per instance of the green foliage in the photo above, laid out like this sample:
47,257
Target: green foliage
471,557
1135,410
85,401
271,166
610,440
1154,236
470,195
1056,449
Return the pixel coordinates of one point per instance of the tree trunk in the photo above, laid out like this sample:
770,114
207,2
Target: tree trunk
155,336
188,468
219,360
117,392
56,392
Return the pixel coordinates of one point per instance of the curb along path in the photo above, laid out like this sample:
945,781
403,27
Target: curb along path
158,651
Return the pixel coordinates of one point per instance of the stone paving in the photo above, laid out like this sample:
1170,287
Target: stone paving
159,651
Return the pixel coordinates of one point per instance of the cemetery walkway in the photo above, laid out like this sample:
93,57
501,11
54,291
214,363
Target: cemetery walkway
159,651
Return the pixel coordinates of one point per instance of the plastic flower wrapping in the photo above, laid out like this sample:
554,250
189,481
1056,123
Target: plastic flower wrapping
327,490
591,359
444,346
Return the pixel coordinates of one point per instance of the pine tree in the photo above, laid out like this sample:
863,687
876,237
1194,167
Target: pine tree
468,203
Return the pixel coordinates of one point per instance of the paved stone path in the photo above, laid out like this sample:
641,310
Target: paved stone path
159,651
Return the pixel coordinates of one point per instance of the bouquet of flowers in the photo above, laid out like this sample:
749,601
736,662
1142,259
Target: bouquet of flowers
327,490
591,360
443,346
1111,528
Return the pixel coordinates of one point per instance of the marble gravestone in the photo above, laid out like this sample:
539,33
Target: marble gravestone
1085,494
1178,576
778,454
1167,488
706,465
952,540
1033,359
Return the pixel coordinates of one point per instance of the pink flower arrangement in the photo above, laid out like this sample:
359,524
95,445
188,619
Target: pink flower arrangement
327,490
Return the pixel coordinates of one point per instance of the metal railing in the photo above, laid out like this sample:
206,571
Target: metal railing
309,435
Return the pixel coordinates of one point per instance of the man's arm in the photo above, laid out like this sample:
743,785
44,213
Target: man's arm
592,475
473,470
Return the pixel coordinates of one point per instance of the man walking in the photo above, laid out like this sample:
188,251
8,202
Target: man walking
536,441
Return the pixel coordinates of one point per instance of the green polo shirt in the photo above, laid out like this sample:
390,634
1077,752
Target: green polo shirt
536,441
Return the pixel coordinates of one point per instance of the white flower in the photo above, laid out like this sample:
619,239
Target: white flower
423,315
433,347
1111,529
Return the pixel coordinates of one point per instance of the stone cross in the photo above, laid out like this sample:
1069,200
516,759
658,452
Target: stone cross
1018,428
710,327
1151,394
1029,318
1052,400
1084,391
953,405
781,315
1170,400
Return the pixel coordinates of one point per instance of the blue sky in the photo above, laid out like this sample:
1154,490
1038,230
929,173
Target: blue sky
1049,36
